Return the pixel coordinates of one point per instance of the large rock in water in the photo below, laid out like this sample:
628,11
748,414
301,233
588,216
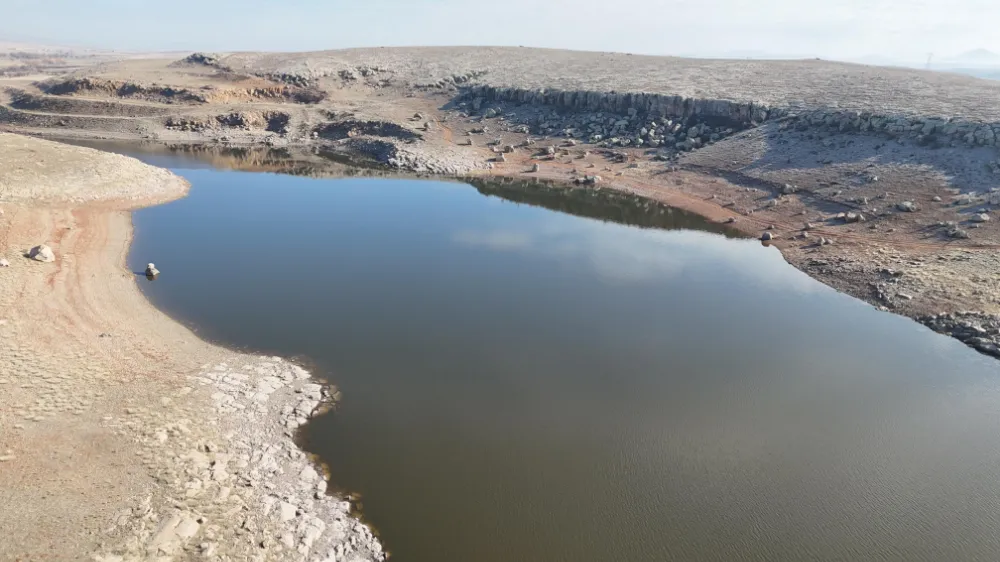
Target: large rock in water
42,253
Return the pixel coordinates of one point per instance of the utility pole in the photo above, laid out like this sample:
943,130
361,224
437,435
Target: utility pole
929,57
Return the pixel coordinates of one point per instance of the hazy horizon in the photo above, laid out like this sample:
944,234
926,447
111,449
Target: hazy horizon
897,30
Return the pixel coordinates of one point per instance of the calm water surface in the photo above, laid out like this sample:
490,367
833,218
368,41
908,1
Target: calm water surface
521,384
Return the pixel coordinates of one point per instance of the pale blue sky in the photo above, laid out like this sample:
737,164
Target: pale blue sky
829,28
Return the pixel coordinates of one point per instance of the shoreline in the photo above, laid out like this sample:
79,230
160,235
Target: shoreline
96,373
884,268
207,482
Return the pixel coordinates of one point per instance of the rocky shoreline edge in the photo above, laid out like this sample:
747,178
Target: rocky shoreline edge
237,485
250,494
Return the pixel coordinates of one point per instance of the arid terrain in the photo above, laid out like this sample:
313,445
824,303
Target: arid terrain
883,183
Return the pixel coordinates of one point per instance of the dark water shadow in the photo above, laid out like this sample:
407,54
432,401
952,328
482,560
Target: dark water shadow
606,205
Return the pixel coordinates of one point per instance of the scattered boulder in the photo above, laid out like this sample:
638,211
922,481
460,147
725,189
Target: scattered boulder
766,237
551,150
589,180
151,270
42,253
535,167
500,158
981,217
936,199
4,263
854,217
907,207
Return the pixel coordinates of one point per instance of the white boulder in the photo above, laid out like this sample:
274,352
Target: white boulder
42,253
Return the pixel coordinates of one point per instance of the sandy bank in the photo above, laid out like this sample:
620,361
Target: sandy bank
122,435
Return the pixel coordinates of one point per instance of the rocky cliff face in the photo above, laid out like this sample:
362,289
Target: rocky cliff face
712,111
619,119
719,117
933,131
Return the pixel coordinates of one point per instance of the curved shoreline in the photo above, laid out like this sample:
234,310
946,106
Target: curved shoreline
95,371
94,374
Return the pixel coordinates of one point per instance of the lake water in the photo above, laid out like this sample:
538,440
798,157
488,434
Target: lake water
521,384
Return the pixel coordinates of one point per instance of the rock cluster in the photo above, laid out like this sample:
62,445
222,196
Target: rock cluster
349,128
203,59
975,329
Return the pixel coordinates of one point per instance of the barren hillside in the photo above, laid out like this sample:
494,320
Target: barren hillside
803,83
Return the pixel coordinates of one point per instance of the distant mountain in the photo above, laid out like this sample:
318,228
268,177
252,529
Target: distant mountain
977,57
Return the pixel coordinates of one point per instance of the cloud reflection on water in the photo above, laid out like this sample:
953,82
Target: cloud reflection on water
635,255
